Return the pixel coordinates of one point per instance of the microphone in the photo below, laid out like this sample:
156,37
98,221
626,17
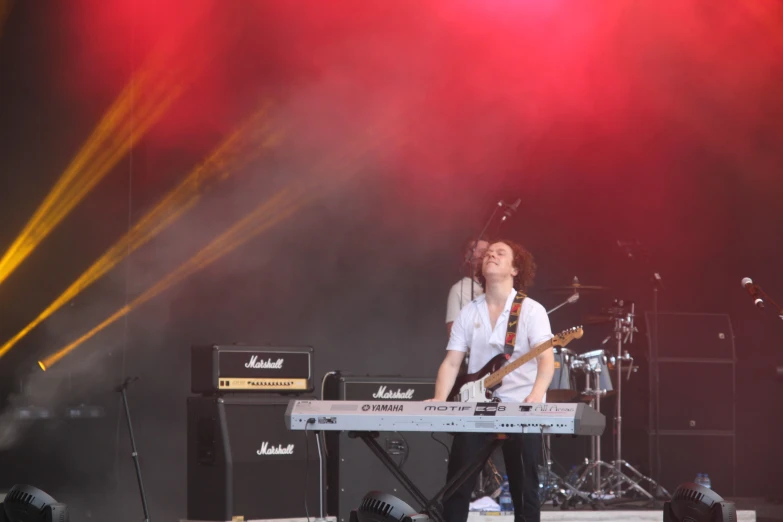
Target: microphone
510,209
753,290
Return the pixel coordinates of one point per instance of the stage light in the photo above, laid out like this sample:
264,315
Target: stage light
695,503
377,506
25,503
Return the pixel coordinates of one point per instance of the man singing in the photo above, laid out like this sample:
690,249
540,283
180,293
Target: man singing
481,327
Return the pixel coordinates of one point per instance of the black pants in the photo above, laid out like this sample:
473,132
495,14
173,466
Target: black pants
521,454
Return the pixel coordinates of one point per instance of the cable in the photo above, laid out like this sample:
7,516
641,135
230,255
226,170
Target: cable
407,450
323,388
307,468
448,450
391,448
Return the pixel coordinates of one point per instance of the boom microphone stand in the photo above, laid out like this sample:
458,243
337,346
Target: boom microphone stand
766,297
469,255
122,389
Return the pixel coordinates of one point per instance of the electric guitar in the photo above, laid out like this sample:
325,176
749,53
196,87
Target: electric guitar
480,386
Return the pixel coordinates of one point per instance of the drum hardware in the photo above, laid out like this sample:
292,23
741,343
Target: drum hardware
624,330
590,470
551,486
597,364
571,300
562,389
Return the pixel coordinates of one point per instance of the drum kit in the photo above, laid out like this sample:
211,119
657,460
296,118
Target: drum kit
600,373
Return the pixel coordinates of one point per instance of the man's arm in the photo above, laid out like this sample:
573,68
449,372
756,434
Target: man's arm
447,374
453,304
455,354
546,370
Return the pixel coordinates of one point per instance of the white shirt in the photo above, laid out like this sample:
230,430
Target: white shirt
459,297
472,331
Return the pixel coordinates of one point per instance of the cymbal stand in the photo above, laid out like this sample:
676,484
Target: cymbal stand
571,300
623,333
552,487
591,469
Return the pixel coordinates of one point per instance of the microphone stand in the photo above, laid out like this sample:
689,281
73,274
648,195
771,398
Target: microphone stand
469,256
766,297
122,389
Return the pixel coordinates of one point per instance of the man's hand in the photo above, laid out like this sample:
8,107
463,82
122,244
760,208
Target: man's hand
534,397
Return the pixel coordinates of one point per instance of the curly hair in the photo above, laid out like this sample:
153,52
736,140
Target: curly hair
524,263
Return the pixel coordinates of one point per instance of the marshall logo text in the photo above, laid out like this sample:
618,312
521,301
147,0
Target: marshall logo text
266,449
396,394
269,364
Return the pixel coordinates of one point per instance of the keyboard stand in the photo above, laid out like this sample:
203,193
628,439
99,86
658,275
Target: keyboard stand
433,506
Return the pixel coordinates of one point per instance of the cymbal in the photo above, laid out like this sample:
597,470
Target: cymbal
576,287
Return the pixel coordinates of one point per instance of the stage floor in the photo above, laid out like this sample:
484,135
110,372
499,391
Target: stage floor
550,515
594,516
748,510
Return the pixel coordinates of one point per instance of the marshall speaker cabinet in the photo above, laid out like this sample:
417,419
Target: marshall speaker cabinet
242,461
353,471
237,368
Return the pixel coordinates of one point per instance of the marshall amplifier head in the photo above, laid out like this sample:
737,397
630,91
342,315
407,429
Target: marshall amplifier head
230,368
343,387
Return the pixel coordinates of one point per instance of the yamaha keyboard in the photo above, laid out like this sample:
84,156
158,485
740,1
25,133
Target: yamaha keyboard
475,417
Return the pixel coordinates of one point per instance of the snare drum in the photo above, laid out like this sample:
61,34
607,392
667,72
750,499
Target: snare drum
562,389
597,362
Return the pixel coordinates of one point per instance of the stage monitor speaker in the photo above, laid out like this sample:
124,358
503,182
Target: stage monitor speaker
244,462
686,335
353,470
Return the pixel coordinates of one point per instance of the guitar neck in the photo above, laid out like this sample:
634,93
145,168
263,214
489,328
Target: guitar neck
496,377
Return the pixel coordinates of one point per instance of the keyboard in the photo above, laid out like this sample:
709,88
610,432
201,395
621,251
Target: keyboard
468,417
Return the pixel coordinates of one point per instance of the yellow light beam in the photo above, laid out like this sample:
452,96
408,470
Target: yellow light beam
141,103
242,146
278,208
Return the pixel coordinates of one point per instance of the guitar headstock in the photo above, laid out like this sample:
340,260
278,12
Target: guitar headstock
566,336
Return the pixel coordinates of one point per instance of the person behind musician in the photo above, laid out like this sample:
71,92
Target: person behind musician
468,288
481,326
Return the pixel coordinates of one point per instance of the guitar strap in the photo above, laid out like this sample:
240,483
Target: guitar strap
513,323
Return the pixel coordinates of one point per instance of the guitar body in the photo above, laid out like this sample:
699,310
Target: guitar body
480,386
469,387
